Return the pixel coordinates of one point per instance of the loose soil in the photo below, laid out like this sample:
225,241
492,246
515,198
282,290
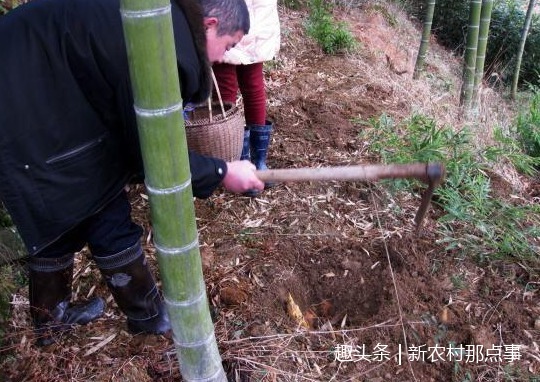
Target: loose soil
347,253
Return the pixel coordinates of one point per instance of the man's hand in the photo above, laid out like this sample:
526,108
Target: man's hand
241,177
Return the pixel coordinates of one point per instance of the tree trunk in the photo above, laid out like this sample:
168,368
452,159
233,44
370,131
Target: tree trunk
485,20
524,34
470,54
158,105
426,34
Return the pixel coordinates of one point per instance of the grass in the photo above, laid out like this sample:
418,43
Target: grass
8,5
388,16
475,221
5,219
10,247
6,287
458,281
333,37
292,4
528,126
12,277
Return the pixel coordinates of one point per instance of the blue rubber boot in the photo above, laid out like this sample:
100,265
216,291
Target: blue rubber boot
259,141
245,147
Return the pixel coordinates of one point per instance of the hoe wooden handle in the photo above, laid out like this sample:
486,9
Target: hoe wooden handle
431,173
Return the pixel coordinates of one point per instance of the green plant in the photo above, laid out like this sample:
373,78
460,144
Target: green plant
514,373
5,219
510,148
417,140
528,127
293,4
385,13
333,37
11,278
247,237
458,281
474,222
416,8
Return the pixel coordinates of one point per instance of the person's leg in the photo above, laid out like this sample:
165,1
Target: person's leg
251,82
50,277
227,82
114,240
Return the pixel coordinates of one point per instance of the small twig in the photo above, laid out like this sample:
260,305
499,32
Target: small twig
495,307
100,345
271,368
525,288
321,332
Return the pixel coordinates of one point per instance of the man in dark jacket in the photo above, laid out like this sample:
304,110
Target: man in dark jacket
69,145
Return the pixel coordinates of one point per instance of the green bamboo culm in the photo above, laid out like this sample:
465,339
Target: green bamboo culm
524,34
426,34
483,34
158,105
469,64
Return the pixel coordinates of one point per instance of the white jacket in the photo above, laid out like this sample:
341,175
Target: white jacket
262,41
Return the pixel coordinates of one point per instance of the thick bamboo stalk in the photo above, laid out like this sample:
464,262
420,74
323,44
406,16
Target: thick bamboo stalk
469,64
485,20
158,105
523,40
426,34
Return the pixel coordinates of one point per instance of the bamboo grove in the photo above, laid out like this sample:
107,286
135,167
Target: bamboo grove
476,45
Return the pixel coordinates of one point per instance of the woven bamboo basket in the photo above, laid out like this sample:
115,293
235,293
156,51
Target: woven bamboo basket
216,129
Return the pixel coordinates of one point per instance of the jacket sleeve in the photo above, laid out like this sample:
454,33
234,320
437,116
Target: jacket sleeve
206,174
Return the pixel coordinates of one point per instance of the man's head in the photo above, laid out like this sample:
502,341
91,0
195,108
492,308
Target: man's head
226,22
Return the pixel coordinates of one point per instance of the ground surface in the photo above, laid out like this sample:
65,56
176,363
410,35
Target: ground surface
357,270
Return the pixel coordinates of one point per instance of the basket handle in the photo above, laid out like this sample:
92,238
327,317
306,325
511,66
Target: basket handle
219,97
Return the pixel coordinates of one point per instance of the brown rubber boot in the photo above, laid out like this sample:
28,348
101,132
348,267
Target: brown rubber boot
50,296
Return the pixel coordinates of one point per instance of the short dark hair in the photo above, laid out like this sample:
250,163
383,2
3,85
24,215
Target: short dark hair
232,15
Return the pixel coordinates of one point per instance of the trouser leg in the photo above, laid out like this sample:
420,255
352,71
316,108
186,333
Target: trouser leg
114,240
227,82
251,84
